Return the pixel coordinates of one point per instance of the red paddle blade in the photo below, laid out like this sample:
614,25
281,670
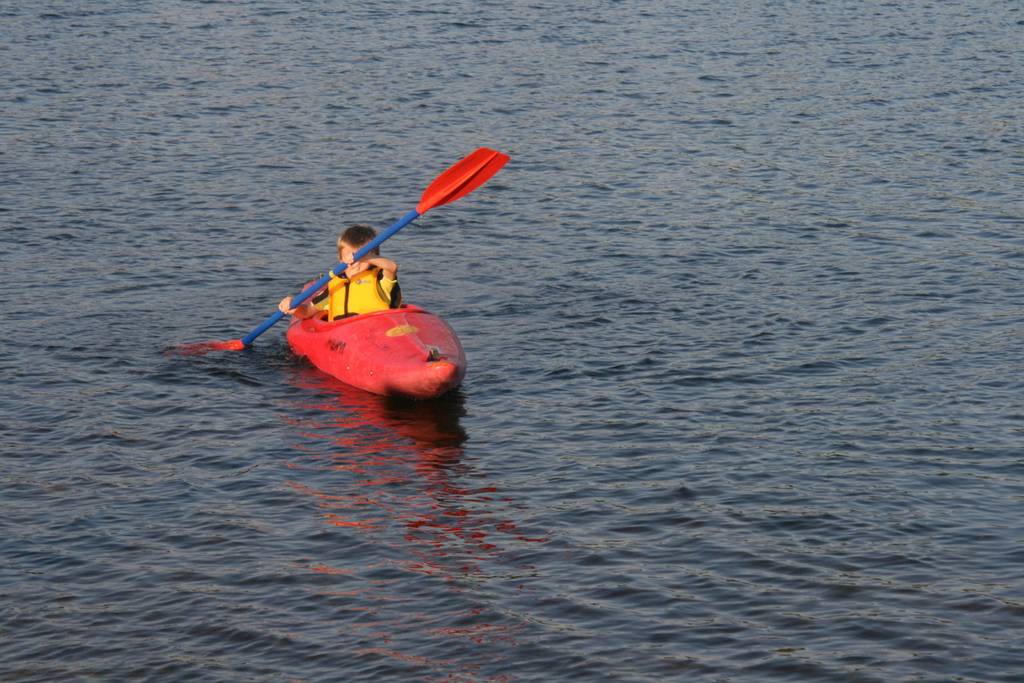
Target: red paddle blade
199,348
462,178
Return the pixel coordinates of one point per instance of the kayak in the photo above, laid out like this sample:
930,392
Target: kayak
404,351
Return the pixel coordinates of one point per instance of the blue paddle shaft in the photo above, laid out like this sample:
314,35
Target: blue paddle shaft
339,267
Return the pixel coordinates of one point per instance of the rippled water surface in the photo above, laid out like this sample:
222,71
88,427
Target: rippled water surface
743,317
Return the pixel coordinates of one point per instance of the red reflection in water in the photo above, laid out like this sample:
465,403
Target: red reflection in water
402,473
202,348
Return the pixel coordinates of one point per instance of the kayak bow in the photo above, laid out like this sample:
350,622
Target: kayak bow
404,351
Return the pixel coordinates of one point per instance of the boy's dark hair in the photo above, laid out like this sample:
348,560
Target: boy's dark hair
358,235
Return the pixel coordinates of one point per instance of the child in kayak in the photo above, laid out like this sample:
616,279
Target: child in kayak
369,284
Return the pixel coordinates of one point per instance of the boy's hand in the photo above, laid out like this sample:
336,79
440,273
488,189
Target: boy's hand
389,267
286,305
356,268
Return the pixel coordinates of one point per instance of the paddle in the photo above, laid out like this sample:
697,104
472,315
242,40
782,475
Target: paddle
462,178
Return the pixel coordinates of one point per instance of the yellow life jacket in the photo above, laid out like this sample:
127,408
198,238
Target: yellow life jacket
364,293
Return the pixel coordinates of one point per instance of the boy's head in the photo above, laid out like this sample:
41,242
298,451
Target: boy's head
353,239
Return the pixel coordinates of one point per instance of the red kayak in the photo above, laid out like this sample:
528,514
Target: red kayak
399,352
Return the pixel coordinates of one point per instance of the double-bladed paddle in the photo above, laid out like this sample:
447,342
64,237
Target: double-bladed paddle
462,178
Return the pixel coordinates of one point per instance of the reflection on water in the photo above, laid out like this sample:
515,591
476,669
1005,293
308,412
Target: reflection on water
392,472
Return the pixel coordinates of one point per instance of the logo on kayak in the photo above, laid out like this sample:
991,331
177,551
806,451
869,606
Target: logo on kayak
401,330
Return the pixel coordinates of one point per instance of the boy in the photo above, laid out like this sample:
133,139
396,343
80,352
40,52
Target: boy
369,284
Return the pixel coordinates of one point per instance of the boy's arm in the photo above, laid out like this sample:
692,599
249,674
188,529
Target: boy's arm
308,308
304,310
389,267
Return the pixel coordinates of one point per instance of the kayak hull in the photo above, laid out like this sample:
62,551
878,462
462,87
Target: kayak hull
404,351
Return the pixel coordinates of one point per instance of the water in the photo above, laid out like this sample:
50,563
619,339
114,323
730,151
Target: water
743,320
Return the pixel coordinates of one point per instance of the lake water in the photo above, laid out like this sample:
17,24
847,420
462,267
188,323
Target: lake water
743,318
